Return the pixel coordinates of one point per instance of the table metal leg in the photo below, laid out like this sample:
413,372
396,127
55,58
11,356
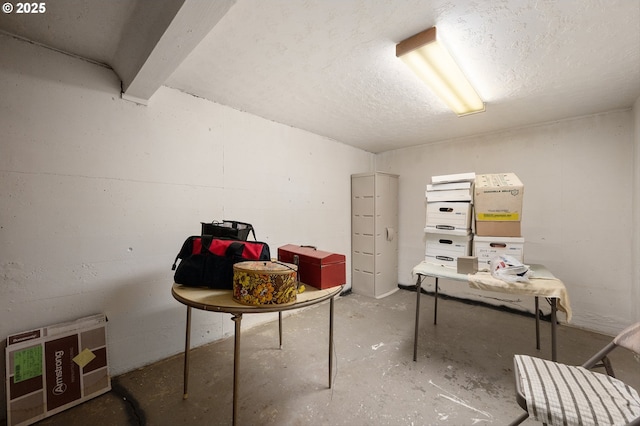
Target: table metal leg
280,327
415,331
554,325
330,341
537,312
237,318
187,348
435,306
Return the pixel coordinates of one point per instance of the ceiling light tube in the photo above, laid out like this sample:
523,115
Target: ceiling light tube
434,65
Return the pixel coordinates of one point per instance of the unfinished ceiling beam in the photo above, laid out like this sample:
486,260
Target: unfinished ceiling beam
157,39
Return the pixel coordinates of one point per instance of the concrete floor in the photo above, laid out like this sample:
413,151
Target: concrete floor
463,375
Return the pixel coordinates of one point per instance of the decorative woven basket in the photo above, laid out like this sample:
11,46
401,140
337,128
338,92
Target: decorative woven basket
260,283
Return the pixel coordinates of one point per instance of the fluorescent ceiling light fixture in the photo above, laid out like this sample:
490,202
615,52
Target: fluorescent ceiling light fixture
434,65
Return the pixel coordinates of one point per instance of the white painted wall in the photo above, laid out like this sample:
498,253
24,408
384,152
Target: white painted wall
635,293
97,195
577,211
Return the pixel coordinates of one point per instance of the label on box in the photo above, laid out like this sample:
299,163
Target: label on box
499,217
27,364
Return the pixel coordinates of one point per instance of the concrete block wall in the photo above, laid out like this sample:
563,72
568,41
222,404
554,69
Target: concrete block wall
579,216
98,194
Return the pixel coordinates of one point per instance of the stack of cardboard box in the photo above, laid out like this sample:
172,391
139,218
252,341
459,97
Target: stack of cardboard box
448,224
498,215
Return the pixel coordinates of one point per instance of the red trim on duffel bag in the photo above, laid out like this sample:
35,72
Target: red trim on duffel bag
219,247
197,245
252,251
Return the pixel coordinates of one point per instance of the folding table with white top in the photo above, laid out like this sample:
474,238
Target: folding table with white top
542,284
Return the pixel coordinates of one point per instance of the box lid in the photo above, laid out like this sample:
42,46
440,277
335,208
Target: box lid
512,240
457,177
497,180
434,230
309,254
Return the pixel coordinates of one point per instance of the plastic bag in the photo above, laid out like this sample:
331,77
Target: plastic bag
509,269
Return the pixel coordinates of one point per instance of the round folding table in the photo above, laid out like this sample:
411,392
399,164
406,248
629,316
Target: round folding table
222,301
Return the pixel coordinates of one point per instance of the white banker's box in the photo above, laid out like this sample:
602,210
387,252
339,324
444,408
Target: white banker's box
486,248
444,249
448,215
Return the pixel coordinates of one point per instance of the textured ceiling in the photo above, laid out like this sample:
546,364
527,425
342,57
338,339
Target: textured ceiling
329,66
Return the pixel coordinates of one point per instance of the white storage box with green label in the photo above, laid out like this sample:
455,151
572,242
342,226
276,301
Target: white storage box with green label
444,249
53,368
486,248
449,215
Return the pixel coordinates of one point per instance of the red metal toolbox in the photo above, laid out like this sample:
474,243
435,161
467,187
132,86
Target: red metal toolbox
317,268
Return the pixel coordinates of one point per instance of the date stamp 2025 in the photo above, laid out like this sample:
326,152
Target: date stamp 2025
24,8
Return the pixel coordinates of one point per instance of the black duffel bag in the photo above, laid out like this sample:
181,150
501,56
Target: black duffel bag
206,261
228,229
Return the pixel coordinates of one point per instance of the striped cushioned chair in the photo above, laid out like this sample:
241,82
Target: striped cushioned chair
559,394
